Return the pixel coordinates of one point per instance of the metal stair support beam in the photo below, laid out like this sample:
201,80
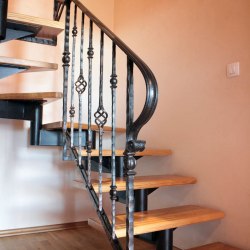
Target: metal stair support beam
36,125
165,240
3,18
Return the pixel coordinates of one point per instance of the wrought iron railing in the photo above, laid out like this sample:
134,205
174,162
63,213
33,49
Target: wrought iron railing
78,85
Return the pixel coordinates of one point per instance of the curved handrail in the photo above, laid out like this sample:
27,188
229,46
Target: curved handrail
150,80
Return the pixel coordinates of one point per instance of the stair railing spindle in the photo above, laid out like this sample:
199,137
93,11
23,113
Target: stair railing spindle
90,58
66,64
80,85
101,117
129,160
72,105
113,187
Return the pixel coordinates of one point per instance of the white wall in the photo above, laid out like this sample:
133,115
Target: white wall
36,186
202,115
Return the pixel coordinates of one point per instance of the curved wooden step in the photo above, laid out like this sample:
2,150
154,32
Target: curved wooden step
167,218
46,28
119,152
143,182
58,125
45,97
215,246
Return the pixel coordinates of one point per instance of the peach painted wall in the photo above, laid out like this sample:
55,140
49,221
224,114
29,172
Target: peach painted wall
203,116
36,186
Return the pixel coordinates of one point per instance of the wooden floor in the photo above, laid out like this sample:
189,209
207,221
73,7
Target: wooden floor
85,238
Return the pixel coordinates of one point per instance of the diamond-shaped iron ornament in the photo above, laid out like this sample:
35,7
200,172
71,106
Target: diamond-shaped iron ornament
80,84
101,117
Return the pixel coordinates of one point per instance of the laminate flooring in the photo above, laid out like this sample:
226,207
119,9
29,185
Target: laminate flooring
85,238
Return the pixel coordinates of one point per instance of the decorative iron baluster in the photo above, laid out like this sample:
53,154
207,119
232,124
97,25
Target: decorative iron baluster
80,85
90,58
101,117
129,160
113,187
66,61
72,106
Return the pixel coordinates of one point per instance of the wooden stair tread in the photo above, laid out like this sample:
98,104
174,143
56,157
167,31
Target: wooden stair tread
167,218
45,97
30,65
59,124
48,28
143,182
215,246
119,152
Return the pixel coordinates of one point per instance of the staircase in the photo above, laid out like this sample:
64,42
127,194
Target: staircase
83,143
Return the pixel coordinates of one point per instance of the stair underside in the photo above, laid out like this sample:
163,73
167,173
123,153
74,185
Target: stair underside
47,28
119,152
27,65
144,182
167,218
58,125
45,97
215,246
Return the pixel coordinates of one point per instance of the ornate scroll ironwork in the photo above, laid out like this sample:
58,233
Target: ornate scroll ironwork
80,85
101,117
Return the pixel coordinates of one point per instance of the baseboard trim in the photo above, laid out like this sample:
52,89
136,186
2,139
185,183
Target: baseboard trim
42,229
96,224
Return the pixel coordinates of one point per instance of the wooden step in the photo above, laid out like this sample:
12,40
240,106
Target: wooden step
58,126
45,97
215,246
167,218
119,152
96,224
28,65
47,28
143,182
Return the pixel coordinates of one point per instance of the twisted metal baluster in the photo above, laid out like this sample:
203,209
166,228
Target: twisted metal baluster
90,58
66,63
80,85
72,107
129,160
101,117
113,187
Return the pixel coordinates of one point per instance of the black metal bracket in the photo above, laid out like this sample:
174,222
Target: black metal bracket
44,41
106,163
24,110
32,111
19,31
24,32
55,138
58,9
